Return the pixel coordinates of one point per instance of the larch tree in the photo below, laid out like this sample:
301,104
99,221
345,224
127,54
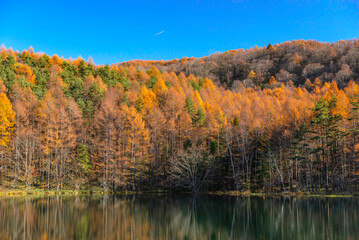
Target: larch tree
104,139
7,127
26,143
136,135
58,138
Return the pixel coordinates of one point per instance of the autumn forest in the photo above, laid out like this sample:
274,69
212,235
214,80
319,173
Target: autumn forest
284,117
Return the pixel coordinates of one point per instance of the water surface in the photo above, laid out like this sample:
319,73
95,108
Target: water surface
185,217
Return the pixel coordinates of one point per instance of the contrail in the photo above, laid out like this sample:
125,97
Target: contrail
159,33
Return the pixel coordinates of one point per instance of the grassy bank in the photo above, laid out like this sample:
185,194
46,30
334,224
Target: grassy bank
69,192
99,191
36,192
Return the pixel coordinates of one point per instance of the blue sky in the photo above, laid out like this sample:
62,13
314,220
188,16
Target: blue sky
116,31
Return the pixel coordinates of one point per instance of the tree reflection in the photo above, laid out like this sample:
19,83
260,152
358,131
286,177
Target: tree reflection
185,217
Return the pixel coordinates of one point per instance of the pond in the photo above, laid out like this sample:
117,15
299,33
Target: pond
181,217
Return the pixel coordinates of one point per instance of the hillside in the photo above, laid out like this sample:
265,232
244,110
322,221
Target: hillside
288,62
69,124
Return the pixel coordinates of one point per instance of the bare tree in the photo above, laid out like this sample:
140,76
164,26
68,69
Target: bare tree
191,169
313,70
344,75
285,76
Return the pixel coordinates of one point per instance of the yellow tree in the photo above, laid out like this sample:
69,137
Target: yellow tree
272,81
146,100
27,72
160,87
252,75
172,108
136,138
7,124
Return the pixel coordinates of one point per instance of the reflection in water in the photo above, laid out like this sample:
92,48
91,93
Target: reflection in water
159,217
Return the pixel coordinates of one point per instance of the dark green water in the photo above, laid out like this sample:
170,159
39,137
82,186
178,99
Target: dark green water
187,217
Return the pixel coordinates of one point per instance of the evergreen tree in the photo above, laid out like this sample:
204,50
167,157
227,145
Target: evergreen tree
189,106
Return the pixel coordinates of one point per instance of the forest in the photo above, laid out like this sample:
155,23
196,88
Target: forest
294,61
279,118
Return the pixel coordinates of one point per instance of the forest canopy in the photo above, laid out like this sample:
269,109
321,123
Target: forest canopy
298,62
288,122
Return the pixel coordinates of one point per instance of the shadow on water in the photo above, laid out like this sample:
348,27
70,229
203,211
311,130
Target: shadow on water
182,217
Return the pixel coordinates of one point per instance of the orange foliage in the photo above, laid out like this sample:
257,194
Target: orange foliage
26,70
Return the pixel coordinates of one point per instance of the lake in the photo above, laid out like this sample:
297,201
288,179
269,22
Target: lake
181,217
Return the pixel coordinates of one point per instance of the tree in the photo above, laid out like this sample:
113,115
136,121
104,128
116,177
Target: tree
105,137
156,121
136,139
191,170
189,106
124,126
84,165
272,81
199,117
58,137
26,70
300,151
327,134
26,142
270,48
7,126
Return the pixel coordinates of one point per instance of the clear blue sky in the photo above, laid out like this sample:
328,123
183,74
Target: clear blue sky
116,31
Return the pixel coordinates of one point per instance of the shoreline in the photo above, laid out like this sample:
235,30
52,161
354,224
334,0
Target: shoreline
97,192
284,194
